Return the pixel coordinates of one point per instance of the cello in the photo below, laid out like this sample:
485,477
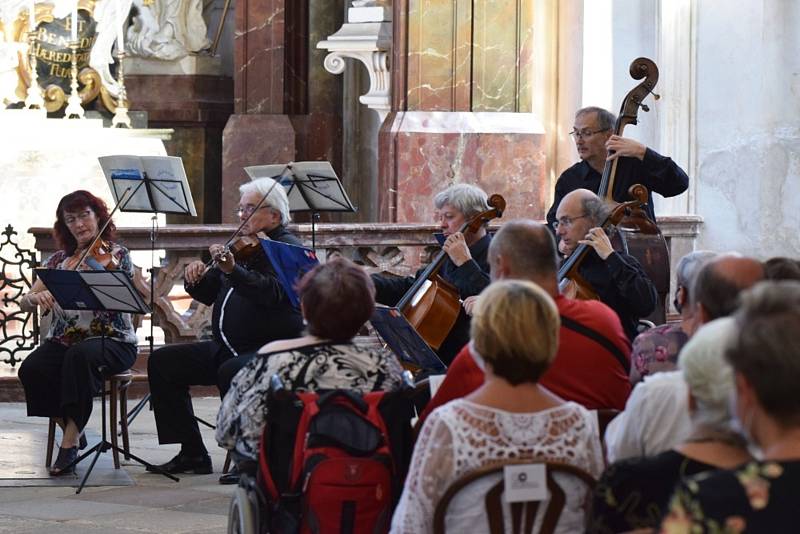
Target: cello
432,304
638,235
570,283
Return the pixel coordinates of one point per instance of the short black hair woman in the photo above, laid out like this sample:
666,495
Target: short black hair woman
336,298
514,332
62,375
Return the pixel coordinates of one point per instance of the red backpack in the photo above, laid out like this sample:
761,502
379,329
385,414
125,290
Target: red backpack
341,474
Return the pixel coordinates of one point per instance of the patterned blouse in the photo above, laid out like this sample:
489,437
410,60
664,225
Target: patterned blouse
757,497
324,365
634,493
69,327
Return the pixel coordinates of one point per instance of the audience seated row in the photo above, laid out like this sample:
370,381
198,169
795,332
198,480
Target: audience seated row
522,387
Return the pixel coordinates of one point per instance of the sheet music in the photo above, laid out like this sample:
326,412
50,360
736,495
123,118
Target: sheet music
169,190
126,172
310,185
113,292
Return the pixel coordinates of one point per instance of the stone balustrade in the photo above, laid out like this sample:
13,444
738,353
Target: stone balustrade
399,249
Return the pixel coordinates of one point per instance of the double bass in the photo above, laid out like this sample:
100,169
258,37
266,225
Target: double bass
637,234
432,304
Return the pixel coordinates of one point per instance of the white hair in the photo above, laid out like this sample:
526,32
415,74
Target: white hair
709,375
277,199
468,199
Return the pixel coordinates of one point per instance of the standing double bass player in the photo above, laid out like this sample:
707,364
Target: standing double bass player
593,132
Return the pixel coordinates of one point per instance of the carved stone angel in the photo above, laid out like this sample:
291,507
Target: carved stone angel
167,29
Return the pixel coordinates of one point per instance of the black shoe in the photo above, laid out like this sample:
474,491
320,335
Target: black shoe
199,465
82,443
64,459
231,477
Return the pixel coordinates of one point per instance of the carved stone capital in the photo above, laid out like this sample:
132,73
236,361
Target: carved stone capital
368,41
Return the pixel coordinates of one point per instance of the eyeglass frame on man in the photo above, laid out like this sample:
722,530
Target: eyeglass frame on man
586,134
250,209
567,221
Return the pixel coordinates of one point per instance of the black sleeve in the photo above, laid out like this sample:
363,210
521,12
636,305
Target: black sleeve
207,288
469,279
558,195
636,290
390,289
663,175
262,288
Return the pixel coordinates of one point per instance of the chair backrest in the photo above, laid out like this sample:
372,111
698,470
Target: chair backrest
493,501
604,417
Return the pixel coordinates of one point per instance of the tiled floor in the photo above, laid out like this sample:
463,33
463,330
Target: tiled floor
153,504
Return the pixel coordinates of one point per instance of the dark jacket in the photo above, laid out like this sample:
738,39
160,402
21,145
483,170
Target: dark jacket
622,284
250,305
656,172
470,279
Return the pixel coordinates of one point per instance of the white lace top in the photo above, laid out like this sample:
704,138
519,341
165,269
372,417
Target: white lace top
461,436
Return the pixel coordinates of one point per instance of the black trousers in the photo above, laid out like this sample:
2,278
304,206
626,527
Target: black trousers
171,370
61,381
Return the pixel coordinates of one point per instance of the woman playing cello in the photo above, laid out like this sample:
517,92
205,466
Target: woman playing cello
466,266
62,375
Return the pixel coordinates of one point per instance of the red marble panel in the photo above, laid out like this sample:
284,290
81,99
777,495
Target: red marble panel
181,98
252,140
424,152
259,50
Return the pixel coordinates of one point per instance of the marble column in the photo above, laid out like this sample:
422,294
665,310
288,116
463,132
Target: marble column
284,108
462,108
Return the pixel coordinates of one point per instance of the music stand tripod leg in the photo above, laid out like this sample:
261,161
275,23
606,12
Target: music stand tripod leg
131,415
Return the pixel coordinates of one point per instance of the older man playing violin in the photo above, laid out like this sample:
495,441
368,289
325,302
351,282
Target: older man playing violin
250,309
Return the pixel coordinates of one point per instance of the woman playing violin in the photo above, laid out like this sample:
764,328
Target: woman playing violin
62,375
467,264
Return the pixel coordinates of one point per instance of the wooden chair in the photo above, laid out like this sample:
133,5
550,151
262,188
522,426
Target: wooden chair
493,501
117,388
604,417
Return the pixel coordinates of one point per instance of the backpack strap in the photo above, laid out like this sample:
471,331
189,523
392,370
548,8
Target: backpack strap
599,338
297,382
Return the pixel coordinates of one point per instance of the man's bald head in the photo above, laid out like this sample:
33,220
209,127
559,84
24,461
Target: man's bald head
523,249
720,281
584,201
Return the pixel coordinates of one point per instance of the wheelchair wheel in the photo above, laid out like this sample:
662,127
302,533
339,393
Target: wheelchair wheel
243,512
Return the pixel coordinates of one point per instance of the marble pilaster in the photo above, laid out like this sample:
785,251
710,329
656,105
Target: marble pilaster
284,109
427,151
462,83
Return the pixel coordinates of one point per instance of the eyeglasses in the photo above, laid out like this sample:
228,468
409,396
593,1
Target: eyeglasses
567,222
249,210
585,134
83,217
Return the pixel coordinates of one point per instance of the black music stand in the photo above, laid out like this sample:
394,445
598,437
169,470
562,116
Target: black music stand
405,341
312,186
149,184
104,291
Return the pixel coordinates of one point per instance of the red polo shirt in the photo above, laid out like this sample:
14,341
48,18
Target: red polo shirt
583,370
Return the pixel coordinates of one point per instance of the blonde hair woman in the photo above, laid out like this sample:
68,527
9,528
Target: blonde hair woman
514,336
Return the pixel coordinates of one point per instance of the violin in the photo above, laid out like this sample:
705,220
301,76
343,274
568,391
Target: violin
242,248
98,256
